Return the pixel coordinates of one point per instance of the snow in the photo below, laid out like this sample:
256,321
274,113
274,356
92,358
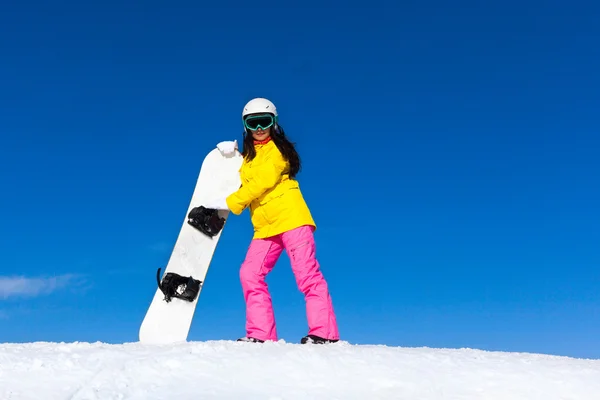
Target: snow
280,370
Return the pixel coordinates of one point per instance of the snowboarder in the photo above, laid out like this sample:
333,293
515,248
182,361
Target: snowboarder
281,220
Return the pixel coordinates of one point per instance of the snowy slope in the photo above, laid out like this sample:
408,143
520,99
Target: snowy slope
231,370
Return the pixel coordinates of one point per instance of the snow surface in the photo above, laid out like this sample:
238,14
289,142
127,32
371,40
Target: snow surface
235,370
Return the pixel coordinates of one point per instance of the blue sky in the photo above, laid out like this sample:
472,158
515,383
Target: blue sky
450,159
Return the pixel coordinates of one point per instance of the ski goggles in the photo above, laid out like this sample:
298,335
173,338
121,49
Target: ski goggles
263,121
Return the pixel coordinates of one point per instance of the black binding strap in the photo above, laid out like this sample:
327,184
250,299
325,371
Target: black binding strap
176,286
206,220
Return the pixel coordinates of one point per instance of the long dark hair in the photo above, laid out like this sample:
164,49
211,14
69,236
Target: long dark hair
287,149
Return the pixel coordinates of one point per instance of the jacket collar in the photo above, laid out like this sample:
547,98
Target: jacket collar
267,140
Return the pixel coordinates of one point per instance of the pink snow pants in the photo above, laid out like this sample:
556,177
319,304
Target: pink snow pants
260,259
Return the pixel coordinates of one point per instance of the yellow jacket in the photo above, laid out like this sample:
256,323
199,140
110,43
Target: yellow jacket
276,203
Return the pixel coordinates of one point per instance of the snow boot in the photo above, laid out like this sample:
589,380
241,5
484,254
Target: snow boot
313,339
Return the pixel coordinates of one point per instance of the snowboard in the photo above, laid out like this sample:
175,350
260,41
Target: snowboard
168,322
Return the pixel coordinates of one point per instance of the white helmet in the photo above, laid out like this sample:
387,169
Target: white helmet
259,105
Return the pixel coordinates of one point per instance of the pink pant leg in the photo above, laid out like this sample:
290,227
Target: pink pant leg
260,259
300,246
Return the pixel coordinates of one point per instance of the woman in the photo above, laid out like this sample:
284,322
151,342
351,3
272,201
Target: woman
281,220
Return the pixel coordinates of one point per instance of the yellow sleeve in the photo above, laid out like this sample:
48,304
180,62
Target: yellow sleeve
263,178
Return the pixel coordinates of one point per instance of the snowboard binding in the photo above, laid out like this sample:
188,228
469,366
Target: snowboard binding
177,286
206,220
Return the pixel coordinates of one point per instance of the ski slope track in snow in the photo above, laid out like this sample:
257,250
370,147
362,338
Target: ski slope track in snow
280,370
